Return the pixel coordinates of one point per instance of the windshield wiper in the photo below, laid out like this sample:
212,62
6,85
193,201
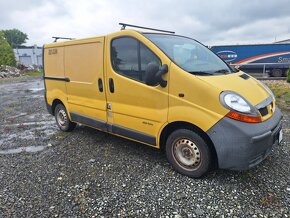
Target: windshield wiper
224,71
200,73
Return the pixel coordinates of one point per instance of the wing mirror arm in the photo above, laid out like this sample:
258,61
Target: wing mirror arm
163,70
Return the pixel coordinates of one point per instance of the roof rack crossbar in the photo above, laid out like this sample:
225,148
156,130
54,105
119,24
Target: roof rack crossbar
59,37
142,27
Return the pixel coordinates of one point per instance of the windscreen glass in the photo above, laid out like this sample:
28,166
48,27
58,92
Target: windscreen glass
190,55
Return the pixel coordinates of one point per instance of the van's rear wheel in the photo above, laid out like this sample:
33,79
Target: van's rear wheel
188,153
62,119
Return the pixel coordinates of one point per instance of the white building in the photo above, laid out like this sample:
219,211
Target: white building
28,56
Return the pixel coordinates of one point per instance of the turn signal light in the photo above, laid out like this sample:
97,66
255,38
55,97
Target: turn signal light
244,118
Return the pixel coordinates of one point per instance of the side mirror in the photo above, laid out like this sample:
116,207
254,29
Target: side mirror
153,74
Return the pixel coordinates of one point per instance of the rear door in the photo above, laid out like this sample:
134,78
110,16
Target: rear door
85,90
135,110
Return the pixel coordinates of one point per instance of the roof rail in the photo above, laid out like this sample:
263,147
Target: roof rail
142,27
59,37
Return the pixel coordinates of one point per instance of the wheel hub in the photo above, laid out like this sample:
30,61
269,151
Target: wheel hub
187,153
62,117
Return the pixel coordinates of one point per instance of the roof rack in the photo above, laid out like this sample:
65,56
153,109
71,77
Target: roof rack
59,37
142,27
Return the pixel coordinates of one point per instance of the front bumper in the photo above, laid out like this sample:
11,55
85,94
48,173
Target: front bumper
240,145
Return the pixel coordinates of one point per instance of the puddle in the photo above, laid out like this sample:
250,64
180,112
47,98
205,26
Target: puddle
37,96
35,89
18,115
29,123
16,88
22,128
28,131
28,149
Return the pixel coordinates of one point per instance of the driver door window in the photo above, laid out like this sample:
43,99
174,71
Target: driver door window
130,57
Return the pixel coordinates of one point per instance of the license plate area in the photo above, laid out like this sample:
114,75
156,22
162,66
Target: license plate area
280,136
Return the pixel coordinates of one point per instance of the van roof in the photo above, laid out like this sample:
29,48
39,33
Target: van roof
84,40
72,42
92,39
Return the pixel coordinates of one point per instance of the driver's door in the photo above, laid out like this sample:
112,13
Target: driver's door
135,110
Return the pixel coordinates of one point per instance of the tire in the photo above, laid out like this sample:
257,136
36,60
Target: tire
277,73
188,153
62,119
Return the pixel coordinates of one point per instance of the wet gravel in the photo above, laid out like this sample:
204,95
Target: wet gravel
87,173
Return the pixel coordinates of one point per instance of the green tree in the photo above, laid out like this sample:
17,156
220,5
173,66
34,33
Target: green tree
288,77
6,52
15,37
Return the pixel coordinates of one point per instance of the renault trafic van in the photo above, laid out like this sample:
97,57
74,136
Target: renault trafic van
166,91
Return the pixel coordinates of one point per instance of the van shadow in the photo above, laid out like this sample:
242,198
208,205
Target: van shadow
124,151
121,147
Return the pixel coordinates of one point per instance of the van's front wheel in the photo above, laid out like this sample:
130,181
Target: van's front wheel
188,153
62,119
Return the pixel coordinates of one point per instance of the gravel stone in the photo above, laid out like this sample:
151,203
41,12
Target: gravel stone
199,212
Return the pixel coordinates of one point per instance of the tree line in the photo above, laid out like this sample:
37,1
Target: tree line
10,39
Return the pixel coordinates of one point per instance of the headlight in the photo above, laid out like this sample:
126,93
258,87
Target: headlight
240,108
237,103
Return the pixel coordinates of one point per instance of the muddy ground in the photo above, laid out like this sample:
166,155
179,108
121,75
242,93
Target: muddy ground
87,173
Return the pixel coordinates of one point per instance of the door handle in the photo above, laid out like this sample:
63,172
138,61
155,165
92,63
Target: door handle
100,84
111,85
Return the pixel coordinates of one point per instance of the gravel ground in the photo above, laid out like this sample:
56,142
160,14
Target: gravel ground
87,173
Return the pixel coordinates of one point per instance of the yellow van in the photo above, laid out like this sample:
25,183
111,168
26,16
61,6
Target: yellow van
166,91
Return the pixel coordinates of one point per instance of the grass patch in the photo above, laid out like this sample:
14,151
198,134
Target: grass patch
23,76
281,90
36,73
5,80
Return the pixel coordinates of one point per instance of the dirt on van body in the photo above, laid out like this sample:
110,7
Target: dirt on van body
87,173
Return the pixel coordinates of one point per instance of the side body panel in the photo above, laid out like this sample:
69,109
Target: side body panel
54,74
193,100
84,68
135,105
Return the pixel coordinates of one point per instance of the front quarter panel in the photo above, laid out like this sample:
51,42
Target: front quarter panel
200,102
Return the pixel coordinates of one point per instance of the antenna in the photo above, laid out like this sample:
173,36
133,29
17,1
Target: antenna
124,25
59,37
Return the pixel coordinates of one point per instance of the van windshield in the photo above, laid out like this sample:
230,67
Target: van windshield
189,54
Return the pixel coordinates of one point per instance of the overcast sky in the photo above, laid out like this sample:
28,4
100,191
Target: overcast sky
211,22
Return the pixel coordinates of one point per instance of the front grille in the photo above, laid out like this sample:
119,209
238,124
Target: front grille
263,111
265,106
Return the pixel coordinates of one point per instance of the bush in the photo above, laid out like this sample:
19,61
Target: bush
288,77
6,52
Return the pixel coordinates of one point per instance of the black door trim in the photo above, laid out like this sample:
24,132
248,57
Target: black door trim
115,129
133,134
98,124
57,78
